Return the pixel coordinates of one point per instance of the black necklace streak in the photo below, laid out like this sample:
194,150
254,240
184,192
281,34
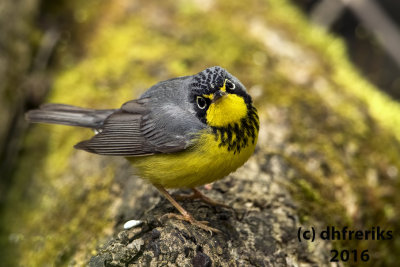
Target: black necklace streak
243,131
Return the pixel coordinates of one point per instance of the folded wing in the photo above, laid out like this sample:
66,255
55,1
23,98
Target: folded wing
138,130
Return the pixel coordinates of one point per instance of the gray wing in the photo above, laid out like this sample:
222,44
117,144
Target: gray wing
141,128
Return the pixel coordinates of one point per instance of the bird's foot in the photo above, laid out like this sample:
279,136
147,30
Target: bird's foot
193,221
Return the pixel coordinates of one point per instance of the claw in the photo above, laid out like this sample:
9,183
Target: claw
185,215
191,220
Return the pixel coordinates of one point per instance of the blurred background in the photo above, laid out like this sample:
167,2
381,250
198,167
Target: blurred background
371,31
293,56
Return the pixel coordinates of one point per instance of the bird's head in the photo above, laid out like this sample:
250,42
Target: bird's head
219,98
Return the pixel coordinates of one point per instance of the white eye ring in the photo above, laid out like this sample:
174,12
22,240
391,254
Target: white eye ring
201,102
233,86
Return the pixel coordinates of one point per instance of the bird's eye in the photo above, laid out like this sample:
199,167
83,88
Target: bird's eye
230,85
201,102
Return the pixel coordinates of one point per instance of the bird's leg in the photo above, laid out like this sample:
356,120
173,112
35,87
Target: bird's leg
198,195
185,216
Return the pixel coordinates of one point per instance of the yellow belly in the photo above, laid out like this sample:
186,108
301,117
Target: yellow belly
204,163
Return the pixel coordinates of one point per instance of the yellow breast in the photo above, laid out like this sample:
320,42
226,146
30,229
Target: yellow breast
207,161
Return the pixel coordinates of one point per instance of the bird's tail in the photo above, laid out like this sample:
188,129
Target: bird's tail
69,115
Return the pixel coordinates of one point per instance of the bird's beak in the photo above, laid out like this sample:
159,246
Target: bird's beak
218,95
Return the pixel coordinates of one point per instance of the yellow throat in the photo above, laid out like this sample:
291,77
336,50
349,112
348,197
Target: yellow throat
227,110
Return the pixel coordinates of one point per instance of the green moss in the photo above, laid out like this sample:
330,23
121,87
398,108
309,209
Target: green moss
333,54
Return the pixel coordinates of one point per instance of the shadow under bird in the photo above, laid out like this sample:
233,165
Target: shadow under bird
181,133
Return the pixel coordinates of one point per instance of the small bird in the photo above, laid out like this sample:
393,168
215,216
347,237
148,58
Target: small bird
181,133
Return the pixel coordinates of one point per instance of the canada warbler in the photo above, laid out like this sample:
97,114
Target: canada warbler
181,133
